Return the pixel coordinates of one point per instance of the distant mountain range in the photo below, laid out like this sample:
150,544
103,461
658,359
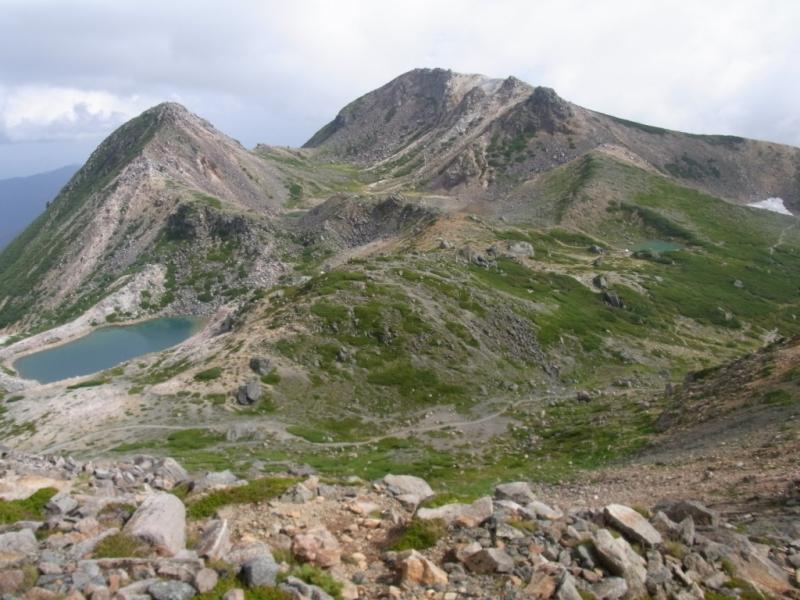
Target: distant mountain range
23,198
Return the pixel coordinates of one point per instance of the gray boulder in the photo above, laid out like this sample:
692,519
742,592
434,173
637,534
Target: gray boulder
517,491
600,282
261,570
701,514
632,525
470,515
407,488
611,298
621,559
62,504
544,511
205,580
160,520
297,494
216,540
610,588
260,365
521,249
18,545
250,393
490,560
297,588
214,479
171,471
171,590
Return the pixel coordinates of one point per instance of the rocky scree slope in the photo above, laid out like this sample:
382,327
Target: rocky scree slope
759,386
145,528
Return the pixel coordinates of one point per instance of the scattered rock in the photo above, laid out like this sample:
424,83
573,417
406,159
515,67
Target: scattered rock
300,590
11,581
702,515
171,590
234,594
261,570
490,560
62,504
317,546
217,479
517,491
521,249
18,545
260,365
205,580
468,515
416,569
611,298
215,542
249,393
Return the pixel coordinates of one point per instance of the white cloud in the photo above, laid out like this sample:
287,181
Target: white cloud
33,113
275,71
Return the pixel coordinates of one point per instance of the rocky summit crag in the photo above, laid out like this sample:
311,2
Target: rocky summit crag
458,282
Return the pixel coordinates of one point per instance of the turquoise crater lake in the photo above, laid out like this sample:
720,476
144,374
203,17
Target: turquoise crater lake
105,348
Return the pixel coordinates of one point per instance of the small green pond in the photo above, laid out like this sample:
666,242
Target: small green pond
105,348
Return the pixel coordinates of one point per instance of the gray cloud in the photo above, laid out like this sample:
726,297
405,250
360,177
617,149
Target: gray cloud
274,71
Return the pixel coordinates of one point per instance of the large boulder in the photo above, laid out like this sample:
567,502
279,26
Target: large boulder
468,515
407,488
249,393
621,559
160,520
632,525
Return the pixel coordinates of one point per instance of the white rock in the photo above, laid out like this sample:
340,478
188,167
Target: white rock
160,520
470,515
408,487
632,525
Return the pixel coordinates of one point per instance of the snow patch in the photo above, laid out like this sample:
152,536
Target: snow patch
772,204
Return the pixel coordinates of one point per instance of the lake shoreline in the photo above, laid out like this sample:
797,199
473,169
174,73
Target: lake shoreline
105,347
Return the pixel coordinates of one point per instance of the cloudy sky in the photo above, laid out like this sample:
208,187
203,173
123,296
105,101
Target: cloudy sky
275,72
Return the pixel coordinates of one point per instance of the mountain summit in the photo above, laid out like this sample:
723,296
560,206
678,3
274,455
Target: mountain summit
479,137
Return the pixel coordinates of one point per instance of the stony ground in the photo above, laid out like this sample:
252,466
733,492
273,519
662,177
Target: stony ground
145,528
